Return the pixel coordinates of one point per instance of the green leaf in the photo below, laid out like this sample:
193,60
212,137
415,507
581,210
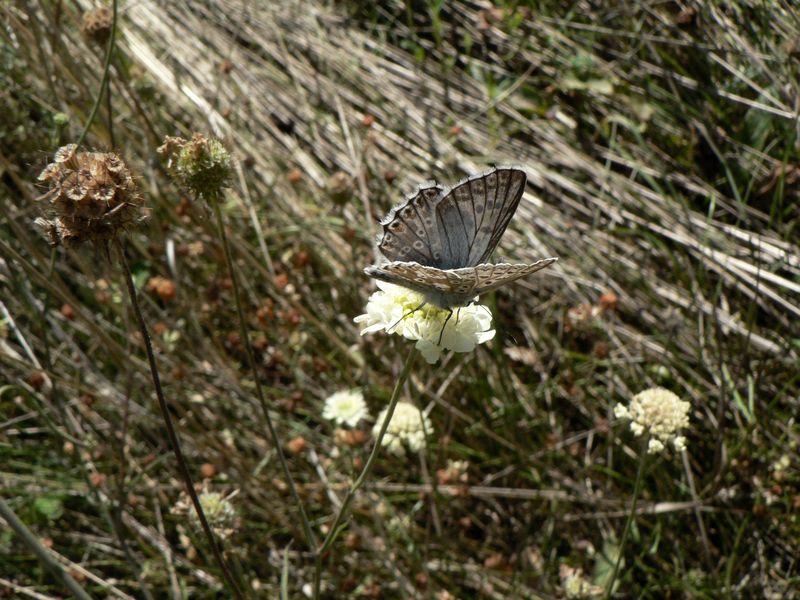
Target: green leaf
49,506
604,563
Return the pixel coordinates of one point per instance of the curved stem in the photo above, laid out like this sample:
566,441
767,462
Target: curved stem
106,72
173,436
354,487
311,540
637,486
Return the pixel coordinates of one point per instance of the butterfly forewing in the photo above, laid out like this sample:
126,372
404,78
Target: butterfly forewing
473,215
409,230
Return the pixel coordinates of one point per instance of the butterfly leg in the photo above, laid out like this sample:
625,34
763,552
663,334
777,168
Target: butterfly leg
409,313
441,333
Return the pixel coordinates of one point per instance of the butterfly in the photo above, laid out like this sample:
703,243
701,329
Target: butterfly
438,240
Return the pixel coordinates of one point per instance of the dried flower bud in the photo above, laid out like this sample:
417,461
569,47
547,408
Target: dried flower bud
339,187
201,164
294,176
91,197
97,24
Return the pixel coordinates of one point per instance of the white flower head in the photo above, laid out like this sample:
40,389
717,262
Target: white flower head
575,583
396,309
660,413
220,512
346,407
408,425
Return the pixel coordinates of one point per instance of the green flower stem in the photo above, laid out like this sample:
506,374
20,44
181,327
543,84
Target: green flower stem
104,84
637,487
35,546
173,436
333,531
311,540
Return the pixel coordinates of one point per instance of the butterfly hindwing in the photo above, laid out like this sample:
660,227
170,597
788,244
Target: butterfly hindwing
409,230
453,287
489,277
473,215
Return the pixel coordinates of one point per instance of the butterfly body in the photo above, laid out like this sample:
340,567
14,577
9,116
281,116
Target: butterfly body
438,240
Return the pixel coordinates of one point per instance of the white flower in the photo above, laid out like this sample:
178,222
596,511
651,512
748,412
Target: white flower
660,413
398,310
575,583
408,425
346,408
218,509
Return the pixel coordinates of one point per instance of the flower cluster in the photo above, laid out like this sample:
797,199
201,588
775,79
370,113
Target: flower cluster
346,408
661,414
220,513
575,583
398,310
408,426
201,164
91,197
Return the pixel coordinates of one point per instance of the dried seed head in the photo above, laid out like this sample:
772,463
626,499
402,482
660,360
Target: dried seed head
201,164
97,24
339,187
91,197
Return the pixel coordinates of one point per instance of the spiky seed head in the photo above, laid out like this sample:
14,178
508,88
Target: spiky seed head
201,164
91,196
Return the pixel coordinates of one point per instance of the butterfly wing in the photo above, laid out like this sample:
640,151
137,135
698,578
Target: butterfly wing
453,287
488,277
472,216
444,288
409,230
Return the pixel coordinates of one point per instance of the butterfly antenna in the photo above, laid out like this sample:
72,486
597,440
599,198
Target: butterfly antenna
408,314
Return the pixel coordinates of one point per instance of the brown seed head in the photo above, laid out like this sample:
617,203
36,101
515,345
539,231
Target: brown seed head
91,197
339,187
97,24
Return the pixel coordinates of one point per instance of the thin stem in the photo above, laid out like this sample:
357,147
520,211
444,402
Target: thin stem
33,544
106,72
311,539
637,486
173,437
354,487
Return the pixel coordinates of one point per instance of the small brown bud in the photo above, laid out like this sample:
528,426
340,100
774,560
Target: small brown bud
339,187
67,311
163,288
600,350
609,301
296,445
225,67
389,176
281,280
301,259
36,380
294,176
97,479
494,561
367,121
207,470
96,24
